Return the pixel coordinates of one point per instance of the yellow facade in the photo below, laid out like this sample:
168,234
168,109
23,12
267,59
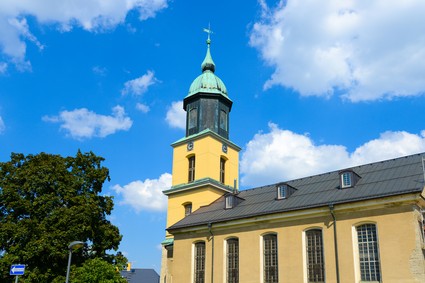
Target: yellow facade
401,255
208,149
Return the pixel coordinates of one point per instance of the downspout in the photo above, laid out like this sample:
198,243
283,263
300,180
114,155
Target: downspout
331,208
212,251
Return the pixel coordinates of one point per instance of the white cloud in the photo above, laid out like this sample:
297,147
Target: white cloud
176,116
145,195
139,85
281,155
82,123
3,67
142,107
91,15
364,50
2,126
98,70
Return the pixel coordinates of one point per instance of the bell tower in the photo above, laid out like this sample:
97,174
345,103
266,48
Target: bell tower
205,161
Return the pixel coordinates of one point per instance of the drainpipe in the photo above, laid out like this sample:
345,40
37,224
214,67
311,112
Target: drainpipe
212,251
331,208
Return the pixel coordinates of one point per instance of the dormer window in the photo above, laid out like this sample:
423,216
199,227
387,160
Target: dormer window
348,179
230,201
284,191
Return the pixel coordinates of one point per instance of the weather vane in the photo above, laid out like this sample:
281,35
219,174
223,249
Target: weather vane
209,31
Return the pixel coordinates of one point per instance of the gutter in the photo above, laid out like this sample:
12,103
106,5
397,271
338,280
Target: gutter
331,208
212,251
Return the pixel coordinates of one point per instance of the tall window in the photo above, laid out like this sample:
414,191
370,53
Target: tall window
222,169
191,177
193,118
199,263
271,270
233,260
223,120
314,253
368,252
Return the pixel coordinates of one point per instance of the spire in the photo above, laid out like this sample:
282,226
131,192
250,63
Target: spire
208,63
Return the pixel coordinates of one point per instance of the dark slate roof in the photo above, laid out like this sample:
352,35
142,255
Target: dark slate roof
140,275
380,179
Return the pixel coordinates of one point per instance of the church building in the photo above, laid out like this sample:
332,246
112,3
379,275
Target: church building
357,224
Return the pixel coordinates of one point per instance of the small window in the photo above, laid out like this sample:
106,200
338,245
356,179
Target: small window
191,176
346,179
187,209
170,251
282,191
222,170
230,201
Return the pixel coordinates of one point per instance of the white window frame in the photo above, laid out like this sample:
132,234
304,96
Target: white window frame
357,253
282,191
346,176
230,201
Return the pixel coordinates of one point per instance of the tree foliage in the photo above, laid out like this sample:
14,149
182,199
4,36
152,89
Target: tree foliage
97,271
48,201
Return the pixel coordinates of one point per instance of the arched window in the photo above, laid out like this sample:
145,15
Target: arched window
191,176
270,264
199,263
367,239
232,260
314,256
222,169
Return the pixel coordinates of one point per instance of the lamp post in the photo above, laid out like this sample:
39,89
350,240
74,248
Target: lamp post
72,246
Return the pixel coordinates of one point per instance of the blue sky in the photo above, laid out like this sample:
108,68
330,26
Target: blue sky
317,86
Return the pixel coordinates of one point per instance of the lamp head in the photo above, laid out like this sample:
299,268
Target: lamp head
75,245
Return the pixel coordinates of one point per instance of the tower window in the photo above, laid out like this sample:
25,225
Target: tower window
193,118
191,176
199,263
270,265
222,169
187,209
223,120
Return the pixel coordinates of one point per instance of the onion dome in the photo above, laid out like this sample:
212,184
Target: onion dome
208,82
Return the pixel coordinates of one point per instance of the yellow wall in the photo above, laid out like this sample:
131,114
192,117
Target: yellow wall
207,151
197,196
396,249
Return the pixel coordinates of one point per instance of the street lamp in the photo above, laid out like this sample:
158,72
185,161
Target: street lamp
72,246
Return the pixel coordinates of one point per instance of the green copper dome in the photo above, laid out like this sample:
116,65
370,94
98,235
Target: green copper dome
208,82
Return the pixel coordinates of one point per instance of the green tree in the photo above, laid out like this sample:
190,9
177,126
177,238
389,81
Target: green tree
48,201
97,271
